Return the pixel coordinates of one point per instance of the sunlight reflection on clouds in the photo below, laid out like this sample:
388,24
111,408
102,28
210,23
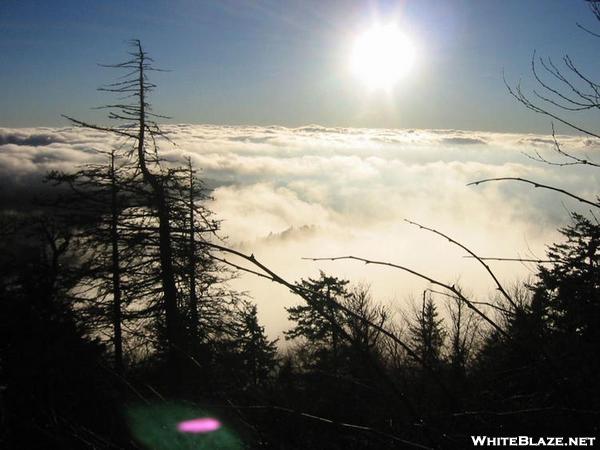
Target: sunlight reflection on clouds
284,193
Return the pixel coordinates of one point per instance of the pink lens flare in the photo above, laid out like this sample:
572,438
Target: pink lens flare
202,425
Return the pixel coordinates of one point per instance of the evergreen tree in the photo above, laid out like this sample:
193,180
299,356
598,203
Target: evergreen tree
319,321
53,385
100,204
567,299
257,352
569,289
427,332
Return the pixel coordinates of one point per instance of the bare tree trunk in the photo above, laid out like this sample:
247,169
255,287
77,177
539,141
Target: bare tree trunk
116,270
167,272
192,258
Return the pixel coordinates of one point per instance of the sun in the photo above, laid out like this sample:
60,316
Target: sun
381,56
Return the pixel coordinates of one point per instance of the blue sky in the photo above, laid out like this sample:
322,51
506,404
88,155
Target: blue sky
286,62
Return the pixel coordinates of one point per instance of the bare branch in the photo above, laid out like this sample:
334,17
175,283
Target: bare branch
470,252
100,128
517,93
450,288
537,185
524,260
558,149
491,305
334,422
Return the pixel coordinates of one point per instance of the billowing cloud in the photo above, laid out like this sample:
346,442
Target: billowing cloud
33,140
463,140
288,193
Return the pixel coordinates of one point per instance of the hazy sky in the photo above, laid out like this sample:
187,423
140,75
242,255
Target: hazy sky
283,62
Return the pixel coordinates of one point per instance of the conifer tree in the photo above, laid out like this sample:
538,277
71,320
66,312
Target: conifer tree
166,221
427,332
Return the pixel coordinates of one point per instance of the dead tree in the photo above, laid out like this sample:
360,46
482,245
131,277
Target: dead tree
137,125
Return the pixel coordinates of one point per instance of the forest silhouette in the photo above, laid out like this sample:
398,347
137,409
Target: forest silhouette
118,323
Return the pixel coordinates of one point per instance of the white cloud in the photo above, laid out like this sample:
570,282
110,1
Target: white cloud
313,191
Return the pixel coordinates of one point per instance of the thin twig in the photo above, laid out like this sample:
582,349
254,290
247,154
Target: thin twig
525,260
450,288
537,185
334,422
470,252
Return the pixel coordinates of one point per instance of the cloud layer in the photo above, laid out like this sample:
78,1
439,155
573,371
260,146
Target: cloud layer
313,191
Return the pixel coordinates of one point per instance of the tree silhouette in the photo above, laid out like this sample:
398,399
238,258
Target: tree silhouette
463,336
258,354
138,125
318,320
569,289
567,295
98,204
427,332
51,372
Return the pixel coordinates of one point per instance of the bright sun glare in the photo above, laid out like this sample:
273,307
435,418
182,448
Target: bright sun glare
382,56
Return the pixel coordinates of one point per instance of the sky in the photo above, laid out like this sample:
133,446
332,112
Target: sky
304,158
286,62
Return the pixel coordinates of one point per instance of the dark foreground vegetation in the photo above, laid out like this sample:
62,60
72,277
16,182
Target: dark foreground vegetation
117,322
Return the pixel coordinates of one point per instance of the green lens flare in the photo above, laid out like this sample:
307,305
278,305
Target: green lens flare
156,427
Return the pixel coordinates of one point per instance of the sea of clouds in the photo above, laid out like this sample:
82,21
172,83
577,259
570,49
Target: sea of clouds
288,193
